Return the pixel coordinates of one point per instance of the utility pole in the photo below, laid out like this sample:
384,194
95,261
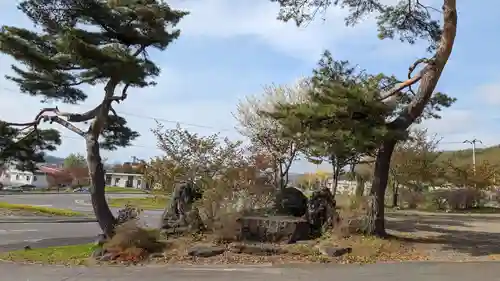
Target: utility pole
473,143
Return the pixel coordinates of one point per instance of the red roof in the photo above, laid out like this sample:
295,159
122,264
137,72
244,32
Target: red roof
51,170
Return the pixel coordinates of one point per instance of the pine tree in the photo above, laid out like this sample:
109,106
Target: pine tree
90,42
409,21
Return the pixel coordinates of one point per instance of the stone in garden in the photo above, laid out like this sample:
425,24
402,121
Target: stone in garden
180,211
273,229
206,251
334,251
107,257
157,255
321,211
257,249
291,201
126,214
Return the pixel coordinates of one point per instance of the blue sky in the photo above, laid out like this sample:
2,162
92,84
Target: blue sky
230,49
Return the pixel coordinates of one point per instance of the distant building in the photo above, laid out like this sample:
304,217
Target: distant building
345,186
39,178
126,180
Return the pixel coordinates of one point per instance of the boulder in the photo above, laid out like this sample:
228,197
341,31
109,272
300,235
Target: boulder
180,211
273,229
321,211
127,214
205,251
257,249
334,251
291,201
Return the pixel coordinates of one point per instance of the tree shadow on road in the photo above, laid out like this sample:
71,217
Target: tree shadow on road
448,232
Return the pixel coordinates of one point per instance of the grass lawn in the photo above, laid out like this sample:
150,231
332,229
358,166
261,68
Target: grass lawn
148,203
116,189
68,255
38,210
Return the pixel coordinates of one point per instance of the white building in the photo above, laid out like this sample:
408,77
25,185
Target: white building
125,180
346,186
15,177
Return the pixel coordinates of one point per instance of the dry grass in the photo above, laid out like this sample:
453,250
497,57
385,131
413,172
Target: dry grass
132,243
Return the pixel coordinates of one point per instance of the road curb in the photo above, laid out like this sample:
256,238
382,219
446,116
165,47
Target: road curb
83,220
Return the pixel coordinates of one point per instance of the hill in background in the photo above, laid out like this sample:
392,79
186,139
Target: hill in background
53,160
460,157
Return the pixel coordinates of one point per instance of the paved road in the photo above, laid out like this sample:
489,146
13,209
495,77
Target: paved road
17,235
378,272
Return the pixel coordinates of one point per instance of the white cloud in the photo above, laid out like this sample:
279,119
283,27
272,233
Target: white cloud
227,19
490,93
458,125
453,121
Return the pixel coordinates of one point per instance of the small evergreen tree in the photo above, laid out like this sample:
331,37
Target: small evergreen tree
343,118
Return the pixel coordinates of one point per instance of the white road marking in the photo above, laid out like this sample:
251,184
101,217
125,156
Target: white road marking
46,205
32,240
8,231
82,202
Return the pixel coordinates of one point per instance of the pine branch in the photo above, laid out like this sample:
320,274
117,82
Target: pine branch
41,117
396,90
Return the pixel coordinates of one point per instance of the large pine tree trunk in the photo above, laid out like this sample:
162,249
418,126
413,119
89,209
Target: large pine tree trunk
430,77
102,212
376,217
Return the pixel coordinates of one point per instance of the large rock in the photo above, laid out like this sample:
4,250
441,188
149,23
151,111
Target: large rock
257,249
273,229
205,251
333,251
180,212
321,211
291,201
